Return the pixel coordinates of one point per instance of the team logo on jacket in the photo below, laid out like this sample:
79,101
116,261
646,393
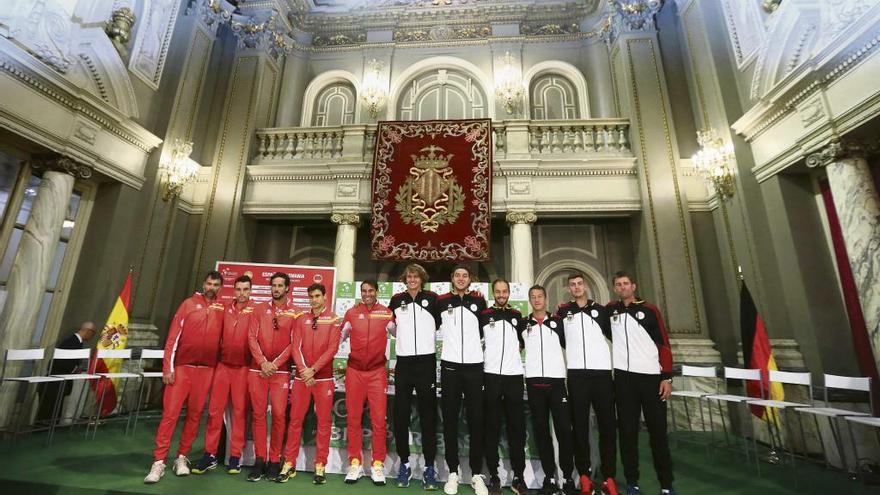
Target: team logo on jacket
473,307
361,316
569,316
594,313
448,310
492,322
424,303
552,324
513,322
640,315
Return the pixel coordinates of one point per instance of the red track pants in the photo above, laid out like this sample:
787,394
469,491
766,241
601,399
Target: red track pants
300,397
369,387
230,385
191,385
263,391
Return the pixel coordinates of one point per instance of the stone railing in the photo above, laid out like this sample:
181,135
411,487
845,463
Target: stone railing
547,139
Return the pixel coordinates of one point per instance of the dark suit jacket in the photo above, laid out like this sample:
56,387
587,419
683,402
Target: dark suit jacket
67,365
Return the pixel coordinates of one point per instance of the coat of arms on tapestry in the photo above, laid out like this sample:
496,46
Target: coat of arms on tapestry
432,190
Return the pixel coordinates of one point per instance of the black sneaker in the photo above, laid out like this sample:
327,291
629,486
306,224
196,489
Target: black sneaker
519,486
234,466
494,485
550,487
258,470
207,463
273,470
319,478
569,488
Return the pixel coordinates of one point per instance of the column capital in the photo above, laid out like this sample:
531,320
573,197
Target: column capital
346,219
628,16
59,163
211,13
841,149
519,217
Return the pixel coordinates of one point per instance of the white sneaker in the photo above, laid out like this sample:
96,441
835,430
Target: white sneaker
355,472
478,483
157,470
181,466
451,486
377,472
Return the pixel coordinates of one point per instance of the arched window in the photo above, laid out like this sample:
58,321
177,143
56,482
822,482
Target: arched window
335,105
442,94
553,97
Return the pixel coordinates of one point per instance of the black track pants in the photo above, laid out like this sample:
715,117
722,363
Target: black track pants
547,397
462,384
419,374
503,398
591,388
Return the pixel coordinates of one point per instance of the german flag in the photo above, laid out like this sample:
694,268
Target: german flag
757,354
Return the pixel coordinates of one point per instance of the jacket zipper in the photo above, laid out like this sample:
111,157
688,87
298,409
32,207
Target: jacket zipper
584,339
461,327
626,338
541,336
503,345
415,331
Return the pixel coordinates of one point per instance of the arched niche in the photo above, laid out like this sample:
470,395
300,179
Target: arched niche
567,71
321,81
453,66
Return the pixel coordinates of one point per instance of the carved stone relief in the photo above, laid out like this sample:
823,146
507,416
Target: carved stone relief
153,38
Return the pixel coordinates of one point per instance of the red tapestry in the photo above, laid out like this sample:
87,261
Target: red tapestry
432,188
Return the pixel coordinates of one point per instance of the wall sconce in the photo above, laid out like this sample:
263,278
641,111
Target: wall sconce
177,170
509,86
713,162
372,90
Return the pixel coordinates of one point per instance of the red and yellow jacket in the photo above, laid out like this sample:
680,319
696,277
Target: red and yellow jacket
270,341
315,342
194,335
367,329
237,327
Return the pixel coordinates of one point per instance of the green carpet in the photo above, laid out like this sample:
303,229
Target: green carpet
116,463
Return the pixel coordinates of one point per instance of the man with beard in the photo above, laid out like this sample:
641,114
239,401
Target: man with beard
269,376
366,327
503,381
642,381
188,368
230,378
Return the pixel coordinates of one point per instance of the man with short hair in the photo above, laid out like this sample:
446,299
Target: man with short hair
316,338
230,378
366,326
187,370
588,358
415,371
642,381
503,381
269,376
544,338
461,374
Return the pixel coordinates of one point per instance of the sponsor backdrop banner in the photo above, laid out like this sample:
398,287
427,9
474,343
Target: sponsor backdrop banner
300,278
347,294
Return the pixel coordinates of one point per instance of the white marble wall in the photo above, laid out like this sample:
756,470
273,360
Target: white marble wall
521,260
346,242
30,272
858,209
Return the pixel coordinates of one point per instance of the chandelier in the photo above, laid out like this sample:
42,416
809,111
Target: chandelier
509,87
372,90
713,162
177,170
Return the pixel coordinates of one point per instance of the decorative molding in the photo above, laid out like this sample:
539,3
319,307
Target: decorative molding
540,29
442,32
43,28
153,40
841,149
519,187
745,29
339,39
59,163
86,133
346,219
630,16
515,217
119,26
347,190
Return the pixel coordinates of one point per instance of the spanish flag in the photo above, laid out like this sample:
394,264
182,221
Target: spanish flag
757,354
114,336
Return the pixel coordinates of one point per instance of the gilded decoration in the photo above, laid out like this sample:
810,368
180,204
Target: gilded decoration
443,32
431,196
548,29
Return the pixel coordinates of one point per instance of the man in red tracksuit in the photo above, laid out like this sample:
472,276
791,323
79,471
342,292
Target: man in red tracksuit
188,367
269,376
315,341
366,325
230,378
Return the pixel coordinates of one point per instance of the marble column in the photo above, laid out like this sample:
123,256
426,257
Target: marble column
858,210
521,260
346,243
33,260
